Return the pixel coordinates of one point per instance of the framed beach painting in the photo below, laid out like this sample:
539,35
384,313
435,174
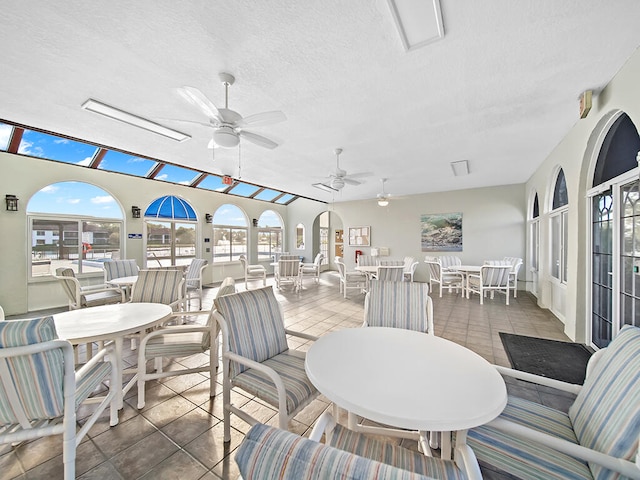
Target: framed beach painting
441,232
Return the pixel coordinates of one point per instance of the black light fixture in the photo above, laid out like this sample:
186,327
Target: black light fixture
135,212
208,218
255,222
12,203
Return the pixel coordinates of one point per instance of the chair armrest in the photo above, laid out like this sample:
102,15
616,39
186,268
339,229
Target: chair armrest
98,357
172,330
323,426
547,382
270,372
625,467
306,336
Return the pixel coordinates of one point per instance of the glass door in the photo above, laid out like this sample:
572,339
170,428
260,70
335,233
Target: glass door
602,269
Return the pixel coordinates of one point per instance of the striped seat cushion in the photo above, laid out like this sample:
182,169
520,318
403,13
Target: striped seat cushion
175,345
38,378
120,268
606,413
268,452
91,380
397,304
157,286
290,366
391,454
101,298
256,325
523,458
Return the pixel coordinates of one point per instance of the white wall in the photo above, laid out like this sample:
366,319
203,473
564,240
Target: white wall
493,224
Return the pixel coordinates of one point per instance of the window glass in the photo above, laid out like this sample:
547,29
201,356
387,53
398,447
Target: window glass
618,152
560,196
300,236
267,195
244,189
5,136
536,207
36,144
115,161
173,174
170,243
284,199
66,229
269,235
230,233
213,183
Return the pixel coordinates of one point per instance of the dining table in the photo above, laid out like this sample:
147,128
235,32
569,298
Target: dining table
110,323
466,270
407,379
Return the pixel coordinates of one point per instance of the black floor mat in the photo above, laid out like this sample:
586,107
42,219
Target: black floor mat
549,358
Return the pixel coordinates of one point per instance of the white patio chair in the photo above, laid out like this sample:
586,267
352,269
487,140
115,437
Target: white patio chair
367,261
437,275
311,269
256,357
597,438
252,272
120,268
516,263
268,452
193,280
492,277
410,266
40,390
178,341
90,296
288,272
448,261
350,280
160,286
390,271
1,314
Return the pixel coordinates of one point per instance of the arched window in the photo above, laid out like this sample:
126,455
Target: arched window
171,232
300,236
559,228
269,235
534,230
75,225
230,232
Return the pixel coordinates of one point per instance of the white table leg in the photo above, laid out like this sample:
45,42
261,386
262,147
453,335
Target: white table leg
118,354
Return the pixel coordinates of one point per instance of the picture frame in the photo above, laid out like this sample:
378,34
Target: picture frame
360,236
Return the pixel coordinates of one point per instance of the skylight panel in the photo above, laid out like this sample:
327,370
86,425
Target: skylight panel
284,199
5,136
214,183
173,174
42,145
267,195
244,189
115,161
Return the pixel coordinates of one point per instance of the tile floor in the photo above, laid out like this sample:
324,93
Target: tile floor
179,432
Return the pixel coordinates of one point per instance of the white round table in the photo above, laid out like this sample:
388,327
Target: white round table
110,322
465,270
406,379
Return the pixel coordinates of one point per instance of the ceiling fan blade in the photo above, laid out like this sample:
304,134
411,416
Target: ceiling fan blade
359,175
260,119
197,98
258,139
350,181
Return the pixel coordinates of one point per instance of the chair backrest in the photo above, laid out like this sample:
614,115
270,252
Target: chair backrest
435,268
341,268
244,262
31,384
391,273
288,267
367,260
227,287
318,260
288,256
408,261
449,261
1,314
495,275
69,283
269,452
400,305
158,286
515,263
192,276
120,268
606,413
254,325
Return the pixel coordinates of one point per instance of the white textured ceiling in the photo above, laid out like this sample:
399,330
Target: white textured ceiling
500,89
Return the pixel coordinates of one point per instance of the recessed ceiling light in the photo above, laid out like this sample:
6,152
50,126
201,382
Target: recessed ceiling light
116,114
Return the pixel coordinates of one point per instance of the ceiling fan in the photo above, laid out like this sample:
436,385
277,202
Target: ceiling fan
228,125
383,198
338,178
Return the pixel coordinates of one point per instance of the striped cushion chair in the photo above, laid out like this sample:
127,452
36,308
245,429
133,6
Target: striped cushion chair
193,279
598,438
178,341
404,305
159,286
90,296
40,390
120,268
268,452
256,357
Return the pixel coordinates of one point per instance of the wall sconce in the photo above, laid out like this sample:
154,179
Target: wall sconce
255,222
12,203
208,218
135,212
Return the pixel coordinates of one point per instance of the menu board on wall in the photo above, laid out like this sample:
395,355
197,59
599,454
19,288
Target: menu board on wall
360,236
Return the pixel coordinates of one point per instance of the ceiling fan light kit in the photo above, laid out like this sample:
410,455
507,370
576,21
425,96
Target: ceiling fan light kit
383,198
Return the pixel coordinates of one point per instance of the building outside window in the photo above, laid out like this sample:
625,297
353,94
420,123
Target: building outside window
230,233
559,229
269,235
